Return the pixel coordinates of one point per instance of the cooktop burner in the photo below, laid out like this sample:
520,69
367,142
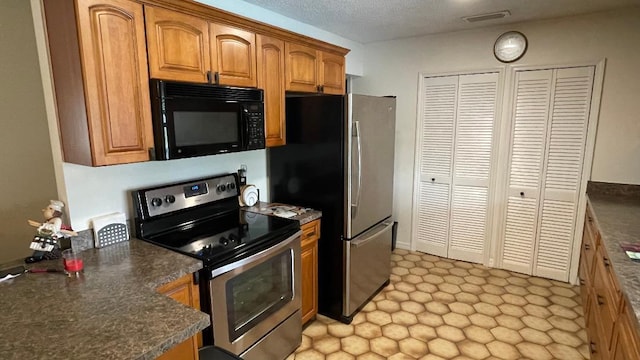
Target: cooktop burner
202,218
226,236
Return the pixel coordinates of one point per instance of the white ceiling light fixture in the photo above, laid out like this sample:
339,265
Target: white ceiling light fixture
488,16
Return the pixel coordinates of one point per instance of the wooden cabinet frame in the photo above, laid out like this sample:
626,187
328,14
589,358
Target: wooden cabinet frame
309,259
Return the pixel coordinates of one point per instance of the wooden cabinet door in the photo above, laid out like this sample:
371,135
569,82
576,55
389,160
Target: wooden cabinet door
186,292
302,64
233,54
626,343
178,45
309,268
332,74
271,79
114,59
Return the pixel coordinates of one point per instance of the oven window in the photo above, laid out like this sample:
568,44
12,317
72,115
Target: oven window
259,292
205,128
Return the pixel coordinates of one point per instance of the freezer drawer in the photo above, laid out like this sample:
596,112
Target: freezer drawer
368,265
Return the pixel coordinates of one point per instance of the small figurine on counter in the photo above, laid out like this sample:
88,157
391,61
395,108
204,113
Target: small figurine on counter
46,244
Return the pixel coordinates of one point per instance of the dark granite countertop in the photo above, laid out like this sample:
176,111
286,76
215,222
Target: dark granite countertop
111,312
618,218
305,215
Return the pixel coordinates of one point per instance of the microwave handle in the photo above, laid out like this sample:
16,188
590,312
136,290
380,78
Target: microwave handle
245,128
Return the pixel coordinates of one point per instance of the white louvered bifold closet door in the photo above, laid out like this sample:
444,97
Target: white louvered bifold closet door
547,154
567,134
436,155
531,111
455,149
473,148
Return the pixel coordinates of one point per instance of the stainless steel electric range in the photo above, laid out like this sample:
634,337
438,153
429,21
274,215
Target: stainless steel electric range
250,283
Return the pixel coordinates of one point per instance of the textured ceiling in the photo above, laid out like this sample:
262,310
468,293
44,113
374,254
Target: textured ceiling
375,20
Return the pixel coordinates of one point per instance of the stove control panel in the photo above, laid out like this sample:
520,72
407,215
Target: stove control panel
175,197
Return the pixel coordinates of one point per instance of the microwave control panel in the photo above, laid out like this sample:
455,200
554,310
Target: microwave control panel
255,127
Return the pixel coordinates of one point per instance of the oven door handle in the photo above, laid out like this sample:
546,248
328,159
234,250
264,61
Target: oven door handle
262,254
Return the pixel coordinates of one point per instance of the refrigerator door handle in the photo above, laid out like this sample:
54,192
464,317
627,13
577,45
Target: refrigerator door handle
354,207
363,241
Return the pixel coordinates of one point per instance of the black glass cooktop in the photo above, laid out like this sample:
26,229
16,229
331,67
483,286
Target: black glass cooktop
226,237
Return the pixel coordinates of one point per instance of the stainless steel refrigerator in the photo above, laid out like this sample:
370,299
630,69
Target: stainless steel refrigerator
339,159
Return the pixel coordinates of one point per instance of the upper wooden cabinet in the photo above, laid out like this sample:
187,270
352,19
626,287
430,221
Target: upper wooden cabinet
99,66
178,45
271,80
233,55
312,70
332,73
103,53
188,48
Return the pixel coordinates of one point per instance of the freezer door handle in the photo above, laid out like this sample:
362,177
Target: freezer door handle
361,242
356,133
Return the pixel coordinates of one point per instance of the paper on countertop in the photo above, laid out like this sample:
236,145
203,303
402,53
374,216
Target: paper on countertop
284,213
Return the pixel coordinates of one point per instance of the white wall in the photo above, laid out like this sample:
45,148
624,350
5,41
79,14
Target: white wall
355,57
611,35
103,190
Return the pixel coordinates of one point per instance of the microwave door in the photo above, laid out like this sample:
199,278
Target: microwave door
196,128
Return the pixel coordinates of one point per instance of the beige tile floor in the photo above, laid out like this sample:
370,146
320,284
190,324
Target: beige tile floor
437,308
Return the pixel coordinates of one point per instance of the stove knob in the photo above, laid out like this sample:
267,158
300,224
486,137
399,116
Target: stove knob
221,188
231,186
156,202
170,199
233,237
224,241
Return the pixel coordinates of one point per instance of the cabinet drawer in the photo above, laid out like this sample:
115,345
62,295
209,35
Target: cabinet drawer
604,303
585,284
588,247
310,232
590,223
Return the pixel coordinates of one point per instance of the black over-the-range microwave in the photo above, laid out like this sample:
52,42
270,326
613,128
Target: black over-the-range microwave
201,119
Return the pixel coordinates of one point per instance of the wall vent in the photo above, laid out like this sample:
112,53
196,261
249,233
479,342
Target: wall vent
485,17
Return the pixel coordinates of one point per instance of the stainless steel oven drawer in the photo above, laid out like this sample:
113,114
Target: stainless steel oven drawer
368,265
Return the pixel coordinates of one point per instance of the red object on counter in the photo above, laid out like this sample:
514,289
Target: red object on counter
73,265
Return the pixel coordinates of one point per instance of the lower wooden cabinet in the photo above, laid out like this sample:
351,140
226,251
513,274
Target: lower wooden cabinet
611,325
626,344
309,262
186,292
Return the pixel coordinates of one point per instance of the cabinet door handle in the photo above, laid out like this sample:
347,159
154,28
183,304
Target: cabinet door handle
216,77
600,300
522,193
587,247
589,218
209,78
582,282
433,179
606,262
592,347
313,233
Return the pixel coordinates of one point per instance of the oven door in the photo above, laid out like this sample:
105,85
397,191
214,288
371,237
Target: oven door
251,297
